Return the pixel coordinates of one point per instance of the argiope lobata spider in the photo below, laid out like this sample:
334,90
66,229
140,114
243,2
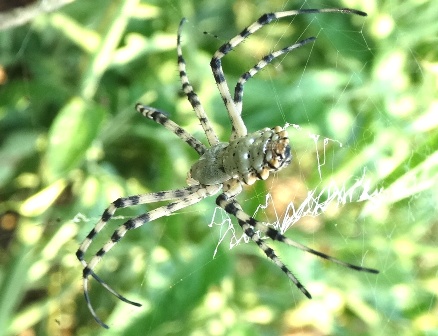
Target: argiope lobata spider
245,159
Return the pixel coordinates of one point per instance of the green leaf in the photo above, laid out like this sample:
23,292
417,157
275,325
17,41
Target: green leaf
71,134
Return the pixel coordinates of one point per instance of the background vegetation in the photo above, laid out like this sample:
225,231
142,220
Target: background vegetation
71,142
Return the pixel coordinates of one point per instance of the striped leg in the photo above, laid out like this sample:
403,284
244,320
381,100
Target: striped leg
160,118
186,197
250,225
247,224
191,95
128,202
238,91
276,235
238,127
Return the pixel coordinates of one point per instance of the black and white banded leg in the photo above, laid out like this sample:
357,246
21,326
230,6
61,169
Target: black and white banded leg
225,166
250,225
191,94
238,91
238,126
184,197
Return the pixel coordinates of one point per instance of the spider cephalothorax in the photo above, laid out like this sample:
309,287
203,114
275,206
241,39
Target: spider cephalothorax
224,166
247,159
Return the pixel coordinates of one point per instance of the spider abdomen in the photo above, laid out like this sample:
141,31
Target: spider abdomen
248,158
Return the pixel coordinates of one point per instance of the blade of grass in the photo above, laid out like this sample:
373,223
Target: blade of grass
102,58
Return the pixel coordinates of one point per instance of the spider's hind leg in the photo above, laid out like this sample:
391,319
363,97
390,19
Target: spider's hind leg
238,91
250,225
276,235
233,106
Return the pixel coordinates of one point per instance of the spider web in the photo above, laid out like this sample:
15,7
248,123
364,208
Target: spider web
328,191
392,172
317,201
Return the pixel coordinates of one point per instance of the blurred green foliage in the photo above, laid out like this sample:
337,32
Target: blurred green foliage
71,143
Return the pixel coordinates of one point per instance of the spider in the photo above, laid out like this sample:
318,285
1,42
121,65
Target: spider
226,166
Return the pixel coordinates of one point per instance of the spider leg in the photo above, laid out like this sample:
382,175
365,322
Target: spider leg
186,197
276,235
238,126
112,291
250,225
232,207
160,118
124,202
190,93
238,91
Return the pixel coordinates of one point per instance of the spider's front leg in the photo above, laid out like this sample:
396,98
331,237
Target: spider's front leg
182,198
